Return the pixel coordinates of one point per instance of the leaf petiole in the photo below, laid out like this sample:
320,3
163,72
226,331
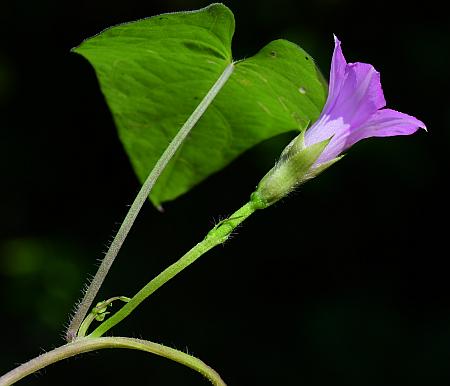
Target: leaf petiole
137,204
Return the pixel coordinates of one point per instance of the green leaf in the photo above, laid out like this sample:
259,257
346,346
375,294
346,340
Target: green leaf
155,71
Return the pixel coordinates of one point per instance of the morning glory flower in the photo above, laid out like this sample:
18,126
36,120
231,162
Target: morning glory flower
354,110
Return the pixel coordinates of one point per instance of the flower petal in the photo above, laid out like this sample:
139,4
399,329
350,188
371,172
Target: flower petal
385,123
337,72
360,96
326,128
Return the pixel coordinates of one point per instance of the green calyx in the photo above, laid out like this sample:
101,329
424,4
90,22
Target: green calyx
294,167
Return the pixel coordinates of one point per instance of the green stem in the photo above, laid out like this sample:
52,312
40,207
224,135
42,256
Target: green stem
82,331
216,236
83,345
89,296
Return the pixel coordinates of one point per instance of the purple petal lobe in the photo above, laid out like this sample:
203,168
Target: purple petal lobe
360,96
337,72
385,123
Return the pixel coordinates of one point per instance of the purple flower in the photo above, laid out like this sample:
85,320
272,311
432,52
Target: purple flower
355,109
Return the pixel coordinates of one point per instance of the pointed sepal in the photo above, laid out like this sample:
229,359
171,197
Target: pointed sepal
291,170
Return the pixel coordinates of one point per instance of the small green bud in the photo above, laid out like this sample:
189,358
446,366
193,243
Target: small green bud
101,307
101,317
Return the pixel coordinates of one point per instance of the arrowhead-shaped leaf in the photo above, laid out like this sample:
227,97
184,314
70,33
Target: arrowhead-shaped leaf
155,71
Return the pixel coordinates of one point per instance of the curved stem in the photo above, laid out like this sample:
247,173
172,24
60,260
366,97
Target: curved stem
83,345
83,307
216,236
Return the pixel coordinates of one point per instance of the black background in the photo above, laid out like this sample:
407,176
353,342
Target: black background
343,283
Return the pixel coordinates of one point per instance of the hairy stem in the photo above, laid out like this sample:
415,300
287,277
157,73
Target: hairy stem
216,236
83,345
91,292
